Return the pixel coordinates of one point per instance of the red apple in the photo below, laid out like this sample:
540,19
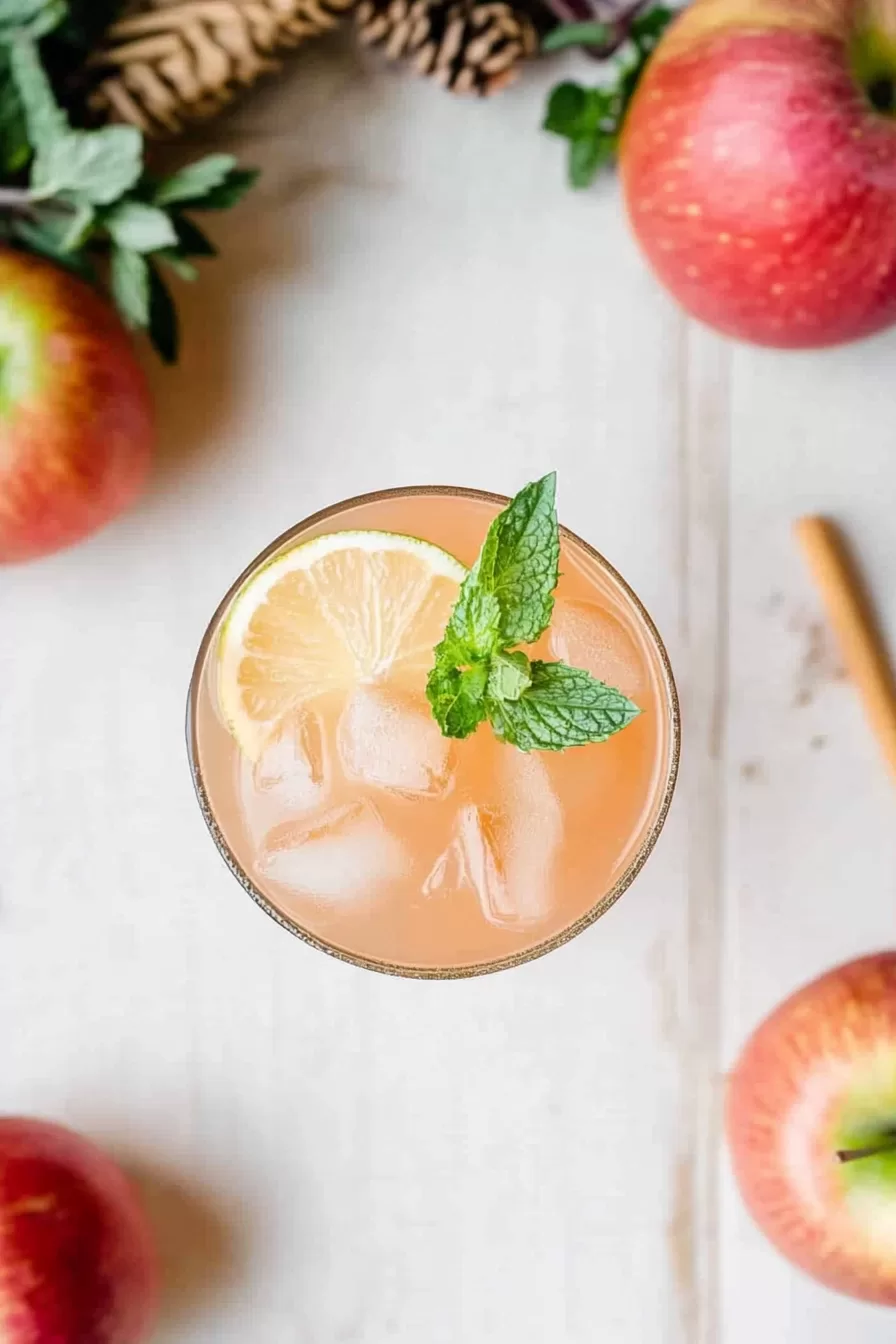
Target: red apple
759,177
76,426
76,1260
811,1121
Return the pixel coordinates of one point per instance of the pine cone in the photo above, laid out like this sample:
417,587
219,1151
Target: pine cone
466,47
172,61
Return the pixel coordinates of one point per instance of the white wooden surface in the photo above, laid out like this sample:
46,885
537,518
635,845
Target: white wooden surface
333,1156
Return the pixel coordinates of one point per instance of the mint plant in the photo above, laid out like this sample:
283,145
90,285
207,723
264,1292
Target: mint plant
83,198
591,119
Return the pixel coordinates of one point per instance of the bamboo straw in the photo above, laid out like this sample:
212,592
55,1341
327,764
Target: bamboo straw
851,617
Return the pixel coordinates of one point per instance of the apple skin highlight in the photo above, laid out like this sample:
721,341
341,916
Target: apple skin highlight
819,1076
76,419
759,178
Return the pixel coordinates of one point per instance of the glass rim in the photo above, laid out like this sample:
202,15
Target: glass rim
468,970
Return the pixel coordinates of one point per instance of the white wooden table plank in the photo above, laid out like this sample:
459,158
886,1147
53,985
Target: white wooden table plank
811,865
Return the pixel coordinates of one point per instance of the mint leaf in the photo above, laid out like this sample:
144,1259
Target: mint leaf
230,191
62,227
140,227
592,119
93,166
563,707
42,235
196,181
44,120
130,279
519,561
192,242
476,619
15,151
507,598
648,28
586,156
87,194
509,675
575,112
589,33
164,328
78,228
457,694
566,109
174,259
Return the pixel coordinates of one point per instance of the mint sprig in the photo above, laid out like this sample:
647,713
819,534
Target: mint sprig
507,598
561,707
591,119
84,198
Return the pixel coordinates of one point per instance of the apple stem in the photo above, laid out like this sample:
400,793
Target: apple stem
874,1150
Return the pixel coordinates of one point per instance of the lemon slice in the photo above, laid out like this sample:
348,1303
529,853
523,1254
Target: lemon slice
328,615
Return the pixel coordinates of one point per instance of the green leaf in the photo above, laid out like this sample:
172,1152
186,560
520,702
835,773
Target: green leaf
80,224
45,121
563,707
648,28
130,279
177,262
15,150
592,118
62,226
476,620
509,676
587,34
43,237
506,598
164,328
574,112
519,561
192,242
140,227
457,695
231,190
567,103
194,182
94,166
30,18
586,156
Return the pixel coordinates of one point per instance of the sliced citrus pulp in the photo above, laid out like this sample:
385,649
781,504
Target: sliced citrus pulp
328,615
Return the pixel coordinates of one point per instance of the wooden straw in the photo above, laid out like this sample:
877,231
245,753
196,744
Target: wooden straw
850,614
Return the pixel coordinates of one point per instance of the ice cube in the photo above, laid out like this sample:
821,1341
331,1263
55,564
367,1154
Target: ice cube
391,740
448,872
290,776
510,839
587,635
347,854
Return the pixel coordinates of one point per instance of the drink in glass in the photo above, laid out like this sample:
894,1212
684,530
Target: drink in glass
333,795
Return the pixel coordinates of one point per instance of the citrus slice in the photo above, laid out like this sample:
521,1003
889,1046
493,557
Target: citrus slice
328,615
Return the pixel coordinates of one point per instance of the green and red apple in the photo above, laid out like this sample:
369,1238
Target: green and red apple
76,423
758,162
77,1264
811,1123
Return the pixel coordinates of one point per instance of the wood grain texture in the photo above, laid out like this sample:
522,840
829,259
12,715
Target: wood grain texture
334,1157
811,865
